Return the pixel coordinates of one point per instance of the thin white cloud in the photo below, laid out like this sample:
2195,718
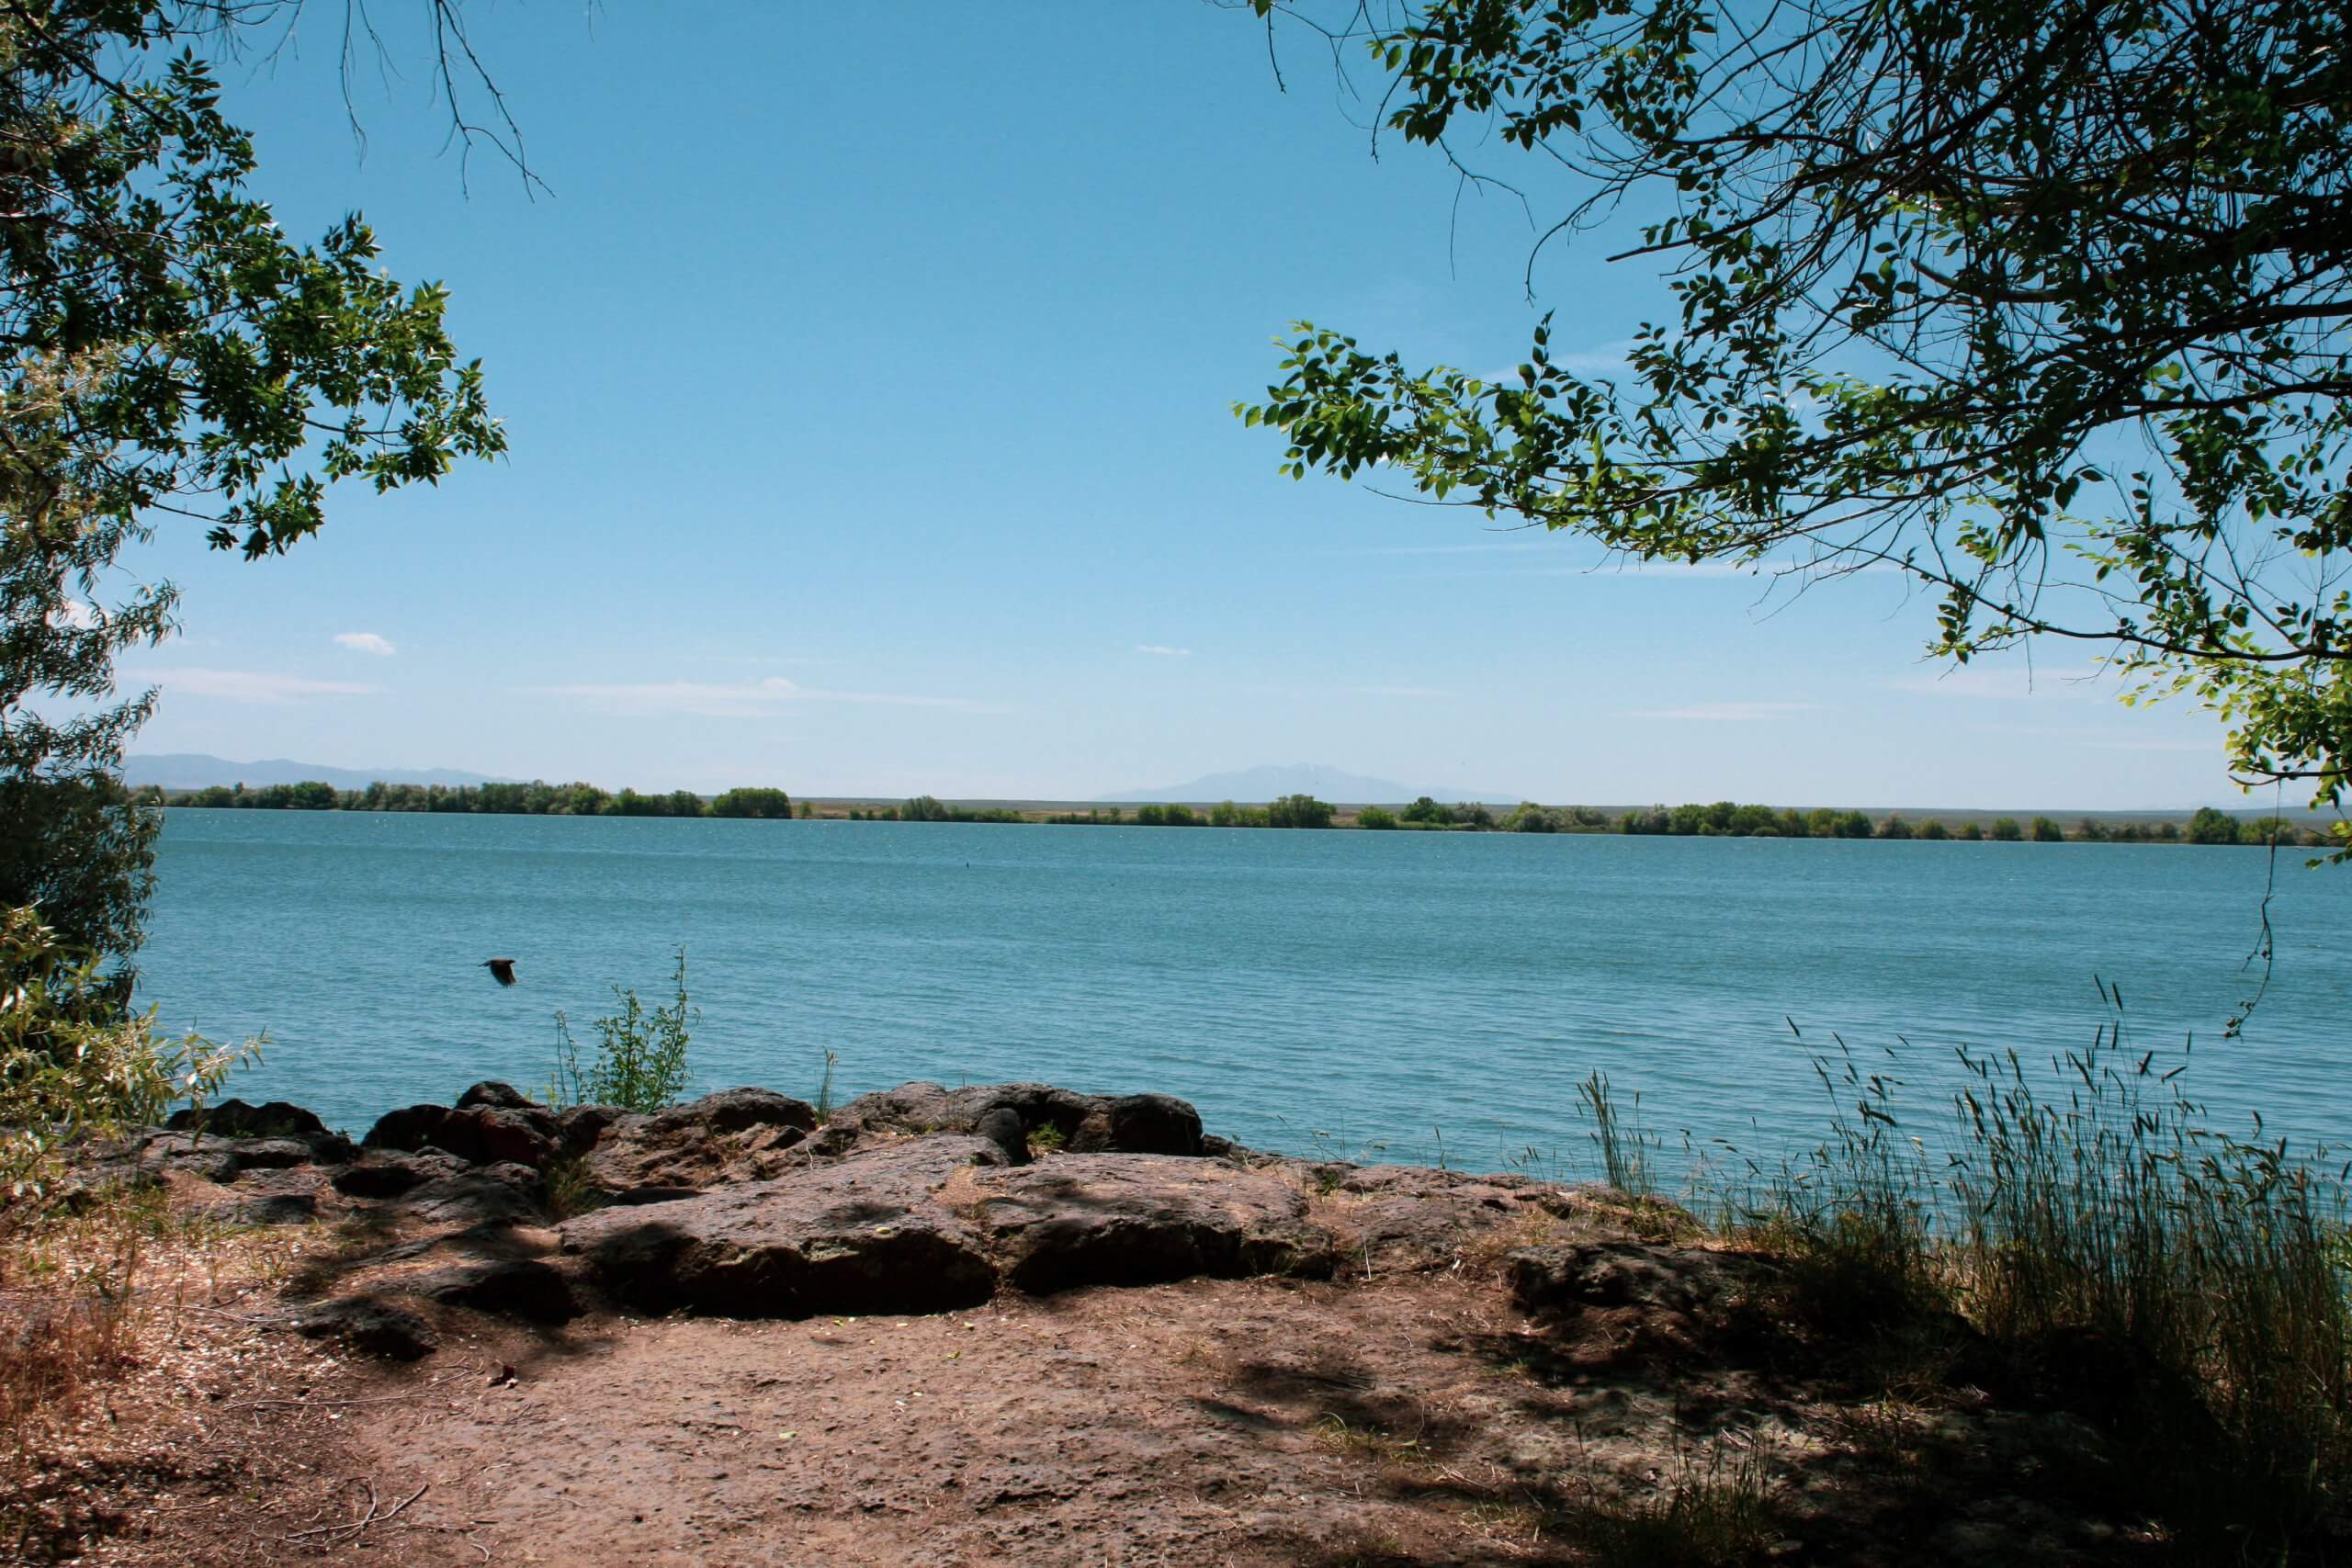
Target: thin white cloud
75,613
367,642
1163,650
255,686
1728,712
745,699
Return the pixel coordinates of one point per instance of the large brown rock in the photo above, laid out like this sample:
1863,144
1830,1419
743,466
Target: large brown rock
868,1234
1141,1219
735,1136
1129,1123
483,1134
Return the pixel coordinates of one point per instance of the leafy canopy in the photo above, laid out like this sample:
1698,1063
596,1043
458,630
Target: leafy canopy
166,352
2043,304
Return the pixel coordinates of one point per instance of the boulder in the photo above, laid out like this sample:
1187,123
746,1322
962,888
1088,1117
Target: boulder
496,1095
386,1173
363,1323
185,1153
1003,1127
236,1118
484,1135
504,1194
1142,1219
1134,1123
282,1197
737,1134
268,1154
868,1234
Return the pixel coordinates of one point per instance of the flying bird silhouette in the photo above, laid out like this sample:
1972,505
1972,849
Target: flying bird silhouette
500,970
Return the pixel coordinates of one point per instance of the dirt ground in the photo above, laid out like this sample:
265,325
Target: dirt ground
1412,1417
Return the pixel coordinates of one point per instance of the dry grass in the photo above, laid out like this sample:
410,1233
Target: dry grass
97,1301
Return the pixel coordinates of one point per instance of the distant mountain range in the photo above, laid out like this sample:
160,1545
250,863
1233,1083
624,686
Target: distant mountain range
191,770
1334,785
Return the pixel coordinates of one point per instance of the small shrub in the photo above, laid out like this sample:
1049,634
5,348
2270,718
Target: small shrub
569,1188
640,1060
1047,1137
72,1065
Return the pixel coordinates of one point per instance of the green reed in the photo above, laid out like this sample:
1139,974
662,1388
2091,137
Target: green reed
2097,1207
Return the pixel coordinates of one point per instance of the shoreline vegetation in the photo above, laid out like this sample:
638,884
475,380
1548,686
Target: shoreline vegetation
1721,818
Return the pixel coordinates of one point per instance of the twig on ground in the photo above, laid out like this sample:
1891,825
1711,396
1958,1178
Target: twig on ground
354,1527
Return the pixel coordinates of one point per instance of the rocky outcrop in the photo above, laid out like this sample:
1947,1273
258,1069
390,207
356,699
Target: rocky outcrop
930,1223
480,1134
1403,1217
1081,1123
1143,1219
866,1234
735,1136
919,1199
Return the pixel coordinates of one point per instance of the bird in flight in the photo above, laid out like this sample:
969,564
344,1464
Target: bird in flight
500,970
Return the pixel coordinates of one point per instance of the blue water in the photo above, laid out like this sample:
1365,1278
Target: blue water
1343,991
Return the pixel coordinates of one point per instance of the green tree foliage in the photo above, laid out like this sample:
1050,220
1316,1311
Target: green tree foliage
72,1064
1893,828
2208,826
2006,830
759,803
922,808
2045,831
1934,831
1529,818
1971,832
165,352
2043,306
1377,817
1425,812
1299,811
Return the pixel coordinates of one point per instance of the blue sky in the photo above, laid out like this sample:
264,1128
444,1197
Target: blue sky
867,372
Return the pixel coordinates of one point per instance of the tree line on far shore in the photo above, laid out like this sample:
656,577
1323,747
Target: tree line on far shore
538,799
1721,818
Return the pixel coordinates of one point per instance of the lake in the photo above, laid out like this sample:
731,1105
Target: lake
1355,992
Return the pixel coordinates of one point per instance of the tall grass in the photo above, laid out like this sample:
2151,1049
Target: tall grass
1625,1147
2097,1220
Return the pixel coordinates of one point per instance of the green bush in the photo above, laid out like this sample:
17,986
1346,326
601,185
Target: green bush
1299,811
2006,830
1428,813
640,1060
2045,831
1377,817
755,803
2212,826
72,1065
